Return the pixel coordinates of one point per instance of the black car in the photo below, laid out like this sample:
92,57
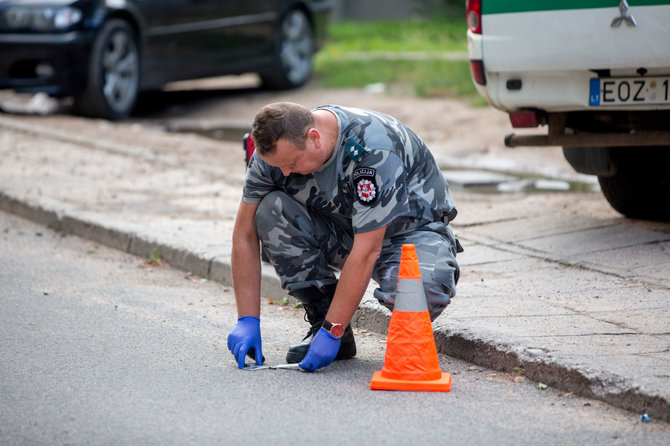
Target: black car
104,52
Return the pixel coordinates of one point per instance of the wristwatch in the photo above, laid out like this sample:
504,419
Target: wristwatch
336,330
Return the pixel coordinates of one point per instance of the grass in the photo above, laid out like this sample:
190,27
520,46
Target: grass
409,35
428,55
284,302
154,259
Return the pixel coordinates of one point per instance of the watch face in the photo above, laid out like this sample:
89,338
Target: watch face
337,330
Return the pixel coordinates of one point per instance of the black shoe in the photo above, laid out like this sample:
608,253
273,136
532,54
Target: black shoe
316,302
296,353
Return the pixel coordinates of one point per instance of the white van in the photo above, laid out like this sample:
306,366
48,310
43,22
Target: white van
597,74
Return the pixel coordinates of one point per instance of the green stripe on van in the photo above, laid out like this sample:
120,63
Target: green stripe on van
508,6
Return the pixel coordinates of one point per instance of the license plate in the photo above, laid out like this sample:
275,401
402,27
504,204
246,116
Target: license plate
629,91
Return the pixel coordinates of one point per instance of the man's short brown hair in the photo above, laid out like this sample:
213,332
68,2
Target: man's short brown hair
281,120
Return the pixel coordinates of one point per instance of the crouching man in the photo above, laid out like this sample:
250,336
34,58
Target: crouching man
329,189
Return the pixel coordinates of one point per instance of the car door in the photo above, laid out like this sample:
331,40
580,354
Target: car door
241,39
197,38
171,27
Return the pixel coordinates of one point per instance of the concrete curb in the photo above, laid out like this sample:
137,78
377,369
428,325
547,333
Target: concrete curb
554,372
216,268
486,352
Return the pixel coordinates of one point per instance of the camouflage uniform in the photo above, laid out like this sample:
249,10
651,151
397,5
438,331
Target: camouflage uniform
380,174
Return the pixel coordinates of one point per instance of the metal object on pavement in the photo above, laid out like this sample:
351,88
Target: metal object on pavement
253,367
287,367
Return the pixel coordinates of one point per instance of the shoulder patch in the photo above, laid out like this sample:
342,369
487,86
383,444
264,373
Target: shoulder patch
354,149
365,184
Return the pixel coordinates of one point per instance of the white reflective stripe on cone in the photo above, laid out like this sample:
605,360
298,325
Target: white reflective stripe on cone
410,296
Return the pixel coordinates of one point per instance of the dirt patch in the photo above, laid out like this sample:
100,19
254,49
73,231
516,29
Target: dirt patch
458,134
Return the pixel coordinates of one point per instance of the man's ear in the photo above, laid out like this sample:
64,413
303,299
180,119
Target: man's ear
314,136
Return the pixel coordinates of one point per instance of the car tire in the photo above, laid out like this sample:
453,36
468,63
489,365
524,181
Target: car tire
114,73
640,186
294,52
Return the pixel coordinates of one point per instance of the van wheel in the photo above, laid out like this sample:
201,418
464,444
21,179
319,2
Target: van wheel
114,73
294,52
640,186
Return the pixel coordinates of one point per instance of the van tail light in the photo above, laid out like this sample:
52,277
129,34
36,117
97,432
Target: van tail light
523,119
473,15
477,70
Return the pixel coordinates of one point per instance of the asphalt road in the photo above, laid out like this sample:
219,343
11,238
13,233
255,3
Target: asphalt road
97,347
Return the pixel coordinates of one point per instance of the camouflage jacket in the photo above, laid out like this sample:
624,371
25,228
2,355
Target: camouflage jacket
380,174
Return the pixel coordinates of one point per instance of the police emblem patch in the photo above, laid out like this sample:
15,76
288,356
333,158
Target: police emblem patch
366,188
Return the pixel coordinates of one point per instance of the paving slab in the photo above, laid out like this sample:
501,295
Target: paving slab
540,226
649,261
594,240
564,291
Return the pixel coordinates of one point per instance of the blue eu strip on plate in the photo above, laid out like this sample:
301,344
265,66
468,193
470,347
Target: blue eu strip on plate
594,92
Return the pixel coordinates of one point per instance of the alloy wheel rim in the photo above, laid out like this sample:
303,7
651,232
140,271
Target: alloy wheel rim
120,65
297,47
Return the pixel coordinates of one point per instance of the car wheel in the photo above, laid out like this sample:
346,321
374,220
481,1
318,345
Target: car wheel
294,52
114,73
640,186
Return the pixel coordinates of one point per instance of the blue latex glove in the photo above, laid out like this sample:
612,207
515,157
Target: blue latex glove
322,351
246,336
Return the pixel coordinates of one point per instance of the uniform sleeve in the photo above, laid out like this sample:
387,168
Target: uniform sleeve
380,191
258,182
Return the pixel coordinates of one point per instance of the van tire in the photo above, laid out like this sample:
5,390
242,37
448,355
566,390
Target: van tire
641,185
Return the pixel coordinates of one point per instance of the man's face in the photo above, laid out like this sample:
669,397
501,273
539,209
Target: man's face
290,159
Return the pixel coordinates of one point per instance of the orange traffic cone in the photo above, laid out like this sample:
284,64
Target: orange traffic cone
411,357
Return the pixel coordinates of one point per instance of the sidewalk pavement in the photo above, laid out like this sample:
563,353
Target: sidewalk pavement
567,294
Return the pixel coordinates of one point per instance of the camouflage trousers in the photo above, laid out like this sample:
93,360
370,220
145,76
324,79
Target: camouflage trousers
306,248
